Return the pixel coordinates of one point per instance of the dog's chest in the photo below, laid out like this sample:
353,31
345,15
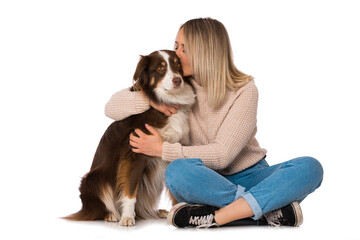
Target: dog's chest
177,128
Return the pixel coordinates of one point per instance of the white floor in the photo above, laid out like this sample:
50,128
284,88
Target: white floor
42,222
53,228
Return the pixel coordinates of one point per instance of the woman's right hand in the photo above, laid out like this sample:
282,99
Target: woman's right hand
167,110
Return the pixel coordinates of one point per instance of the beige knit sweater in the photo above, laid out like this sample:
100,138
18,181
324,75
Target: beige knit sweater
224,139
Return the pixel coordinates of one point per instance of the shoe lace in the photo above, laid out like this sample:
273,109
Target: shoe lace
203,221
273,218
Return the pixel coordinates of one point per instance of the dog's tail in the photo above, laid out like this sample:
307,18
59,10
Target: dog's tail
92,206
83,215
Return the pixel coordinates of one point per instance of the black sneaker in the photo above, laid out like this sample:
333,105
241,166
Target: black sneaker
289,215
184,215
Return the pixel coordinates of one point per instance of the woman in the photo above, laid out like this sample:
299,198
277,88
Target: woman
223,176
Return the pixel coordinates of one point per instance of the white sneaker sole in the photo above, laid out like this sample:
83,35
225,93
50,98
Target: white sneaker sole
298,214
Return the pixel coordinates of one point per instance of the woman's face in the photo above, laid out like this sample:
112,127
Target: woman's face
180,52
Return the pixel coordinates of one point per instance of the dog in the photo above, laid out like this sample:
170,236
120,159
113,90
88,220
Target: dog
122,184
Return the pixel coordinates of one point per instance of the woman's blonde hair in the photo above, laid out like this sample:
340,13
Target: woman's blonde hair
208,48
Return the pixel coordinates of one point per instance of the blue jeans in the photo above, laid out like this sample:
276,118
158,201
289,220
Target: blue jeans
265,188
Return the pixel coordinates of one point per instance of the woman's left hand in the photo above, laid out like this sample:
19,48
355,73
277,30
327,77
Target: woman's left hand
150,145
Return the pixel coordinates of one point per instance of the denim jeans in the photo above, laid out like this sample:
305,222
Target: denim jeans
265,188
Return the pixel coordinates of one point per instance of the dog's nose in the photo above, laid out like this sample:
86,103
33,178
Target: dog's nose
177,81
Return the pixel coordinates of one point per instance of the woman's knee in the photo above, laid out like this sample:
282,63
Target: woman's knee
313,168
175,170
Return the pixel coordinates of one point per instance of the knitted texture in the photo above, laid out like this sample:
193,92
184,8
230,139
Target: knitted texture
126,103
223,138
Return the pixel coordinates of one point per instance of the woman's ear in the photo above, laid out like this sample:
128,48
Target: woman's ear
141,73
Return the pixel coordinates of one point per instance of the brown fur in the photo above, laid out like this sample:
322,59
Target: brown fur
116,170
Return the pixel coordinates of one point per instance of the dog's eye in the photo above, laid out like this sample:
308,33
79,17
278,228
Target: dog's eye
178,65
160,68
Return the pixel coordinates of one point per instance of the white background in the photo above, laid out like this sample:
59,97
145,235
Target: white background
60,61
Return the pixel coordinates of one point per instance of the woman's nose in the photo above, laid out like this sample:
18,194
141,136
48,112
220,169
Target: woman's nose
178,53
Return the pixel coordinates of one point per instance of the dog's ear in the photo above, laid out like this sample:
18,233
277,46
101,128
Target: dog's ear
141,73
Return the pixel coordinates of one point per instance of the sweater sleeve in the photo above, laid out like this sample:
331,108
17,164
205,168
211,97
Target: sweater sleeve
126,103
233,135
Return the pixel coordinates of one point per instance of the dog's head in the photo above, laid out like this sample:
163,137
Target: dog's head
159,76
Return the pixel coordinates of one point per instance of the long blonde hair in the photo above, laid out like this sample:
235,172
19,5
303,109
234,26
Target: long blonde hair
208,48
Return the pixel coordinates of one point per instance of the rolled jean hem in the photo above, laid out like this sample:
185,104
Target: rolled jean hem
254,205
240,192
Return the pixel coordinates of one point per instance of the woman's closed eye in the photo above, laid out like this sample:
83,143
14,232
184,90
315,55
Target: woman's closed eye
176,47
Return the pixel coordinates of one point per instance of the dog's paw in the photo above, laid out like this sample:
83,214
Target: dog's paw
162,213
127,221
110,217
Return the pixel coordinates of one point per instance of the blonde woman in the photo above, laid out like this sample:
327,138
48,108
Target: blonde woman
222,177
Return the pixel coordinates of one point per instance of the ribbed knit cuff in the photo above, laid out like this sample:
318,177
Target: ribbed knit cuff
171,151
141,103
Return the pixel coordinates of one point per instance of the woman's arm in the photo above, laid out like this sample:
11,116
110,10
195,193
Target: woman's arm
233,135
126,103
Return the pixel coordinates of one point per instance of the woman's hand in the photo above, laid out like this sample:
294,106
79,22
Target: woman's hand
150,145
167,110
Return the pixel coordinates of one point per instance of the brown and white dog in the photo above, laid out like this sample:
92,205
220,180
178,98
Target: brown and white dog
122,184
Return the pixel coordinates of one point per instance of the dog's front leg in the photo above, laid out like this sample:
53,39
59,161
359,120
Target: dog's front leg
128,211
131,172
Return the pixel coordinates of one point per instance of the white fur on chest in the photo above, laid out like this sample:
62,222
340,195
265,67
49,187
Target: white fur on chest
177,128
